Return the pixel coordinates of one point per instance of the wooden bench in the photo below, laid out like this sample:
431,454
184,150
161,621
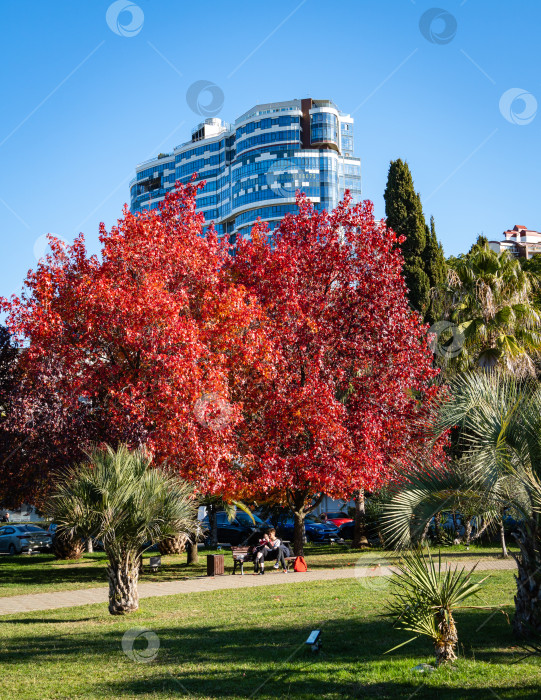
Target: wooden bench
240,555
289,560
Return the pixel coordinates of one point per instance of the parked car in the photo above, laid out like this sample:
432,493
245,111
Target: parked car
337,517
235,531
15,539
511,524
316,530
346,530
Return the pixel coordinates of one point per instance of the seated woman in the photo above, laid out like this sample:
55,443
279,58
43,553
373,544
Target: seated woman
272,549
257,550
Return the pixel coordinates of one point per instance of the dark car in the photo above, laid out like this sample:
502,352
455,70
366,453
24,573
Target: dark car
235,531
316,529
15,539
346,530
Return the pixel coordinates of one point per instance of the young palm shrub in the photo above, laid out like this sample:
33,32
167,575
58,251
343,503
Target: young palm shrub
500,426
120,499
424,598
66,545
173,545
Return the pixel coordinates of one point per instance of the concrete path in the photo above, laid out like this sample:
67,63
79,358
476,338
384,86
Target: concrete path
67,599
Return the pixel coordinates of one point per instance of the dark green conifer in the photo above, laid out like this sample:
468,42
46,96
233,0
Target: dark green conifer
436,269
405,216
424,261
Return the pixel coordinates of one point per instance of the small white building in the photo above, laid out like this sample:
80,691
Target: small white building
519,241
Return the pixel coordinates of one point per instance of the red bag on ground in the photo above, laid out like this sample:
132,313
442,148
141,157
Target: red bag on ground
300,564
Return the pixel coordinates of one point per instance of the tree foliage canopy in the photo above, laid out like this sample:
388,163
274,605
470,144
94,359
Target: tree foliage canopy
492,300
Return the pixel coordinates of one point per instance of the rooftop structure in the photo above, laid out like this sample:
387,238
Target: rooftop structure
519,241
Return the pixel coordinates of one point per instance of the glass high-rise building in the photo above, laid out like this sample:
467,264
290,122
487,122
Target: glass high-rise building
253,167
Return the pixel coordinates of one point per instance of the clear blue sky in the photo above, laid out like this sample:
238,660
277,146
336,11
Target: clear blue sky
82,105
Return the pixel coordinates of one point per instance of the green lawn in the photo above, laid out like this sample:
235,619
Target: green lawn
42,573
226,644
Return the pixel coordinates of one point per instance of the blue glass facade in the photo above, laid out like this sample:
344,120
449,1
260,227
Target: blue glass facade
253,168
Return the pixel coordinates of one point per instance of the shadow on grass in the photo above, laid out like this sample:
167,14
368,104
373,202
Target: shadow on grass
27,572
24,571
197,658
42,621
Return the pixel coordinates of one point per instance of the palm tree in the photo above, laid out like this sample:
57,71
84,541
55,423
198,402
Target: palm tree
67,545
121,500
491,299
424,598
174,545
500,430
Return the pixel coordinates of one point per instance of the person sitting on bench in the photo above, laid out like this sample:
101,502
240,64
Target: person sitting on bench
273,549
257,547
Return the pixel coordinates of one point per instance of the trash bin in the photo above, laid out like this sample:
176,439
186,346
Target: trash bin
215,565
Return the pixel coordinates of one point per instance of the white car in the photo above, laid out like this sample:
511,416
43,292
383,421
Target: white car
15,539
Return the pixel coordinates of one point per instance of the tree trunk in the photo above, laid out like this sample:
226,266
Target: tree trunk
480,530
505,553
89,545
213,522
298,532
447,639
467,532
123,577
192,553
455,526
437,527
527,620
359,526
301,504
424,533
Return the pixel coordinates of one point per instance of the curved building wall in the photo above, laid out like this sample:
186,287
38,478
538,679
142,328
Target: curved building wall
254,168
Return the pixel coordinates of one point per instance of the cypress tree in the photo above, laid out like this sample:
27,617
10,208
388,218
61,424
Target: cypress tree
405,216
436,269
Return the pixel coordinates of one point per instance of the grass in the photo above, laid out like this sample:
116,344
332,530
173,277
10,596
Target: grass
42,573
250,643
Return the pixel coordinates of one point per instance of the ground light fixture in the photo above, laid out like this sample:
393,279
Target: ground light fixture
314,640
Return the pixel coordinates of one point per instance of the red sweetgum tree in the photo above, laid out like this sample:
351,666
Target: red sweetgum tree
353,384
149,344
